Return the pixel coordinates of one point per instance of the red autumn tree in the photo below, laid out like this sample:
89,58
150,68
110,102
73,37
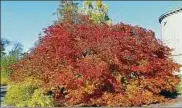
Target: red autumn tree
91,64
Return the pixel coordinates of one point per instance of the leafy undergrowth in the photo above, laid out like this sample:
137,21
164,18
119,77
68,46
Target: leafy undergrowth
99,65
4,78
27,94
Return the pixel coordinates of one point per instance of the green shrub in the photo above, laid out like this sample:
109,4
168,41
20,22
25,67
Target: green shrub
4,75
26,94
40,100
4,78
6,61
18,95
179,86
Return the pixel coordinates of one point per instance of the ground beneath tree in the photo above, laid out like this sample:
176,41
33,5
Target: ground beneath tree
175,103
2,94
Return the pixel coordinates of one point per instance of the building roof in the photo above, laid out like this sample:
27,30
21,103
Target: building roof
168,14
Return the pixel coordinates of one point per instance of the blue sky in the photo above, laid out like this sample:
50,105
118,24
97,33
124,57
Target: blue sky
22,21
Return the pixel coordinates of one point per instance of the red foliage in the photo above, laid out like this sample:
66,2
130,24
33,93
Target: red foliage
118,65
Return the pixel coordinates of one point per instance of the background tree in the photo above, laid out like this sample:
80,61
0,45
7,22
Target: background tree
16,51
97,11
4,43
8,58
68,12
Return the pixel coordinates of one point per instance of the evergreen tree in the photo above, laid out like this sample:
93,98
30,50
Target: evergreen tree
68,12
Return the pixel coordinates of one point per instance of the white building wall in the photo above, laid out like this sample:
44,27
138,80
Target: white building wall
172,34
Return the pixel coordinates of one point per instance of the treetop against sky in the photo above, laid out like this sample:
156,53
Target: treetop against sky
22,21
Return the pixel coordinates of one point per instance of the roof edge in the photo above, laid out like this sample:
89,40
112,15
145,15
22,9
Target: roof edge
168,14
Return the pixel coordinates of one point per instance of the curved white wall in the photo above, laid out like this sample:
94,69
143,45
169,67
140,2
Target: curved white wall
172,34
